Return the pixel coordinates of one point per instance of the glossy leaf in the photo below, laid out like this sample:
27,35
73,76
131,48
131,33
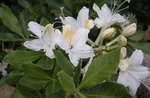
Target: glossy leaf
28,92
36,84
11,23
66,81
19,57
107,90
145,47
101,68
46,63
63,63
35,72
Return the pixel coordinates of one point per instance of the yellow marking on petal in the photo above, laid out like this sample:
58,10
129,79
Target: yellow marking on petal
49,28
87,24
68,34
125,65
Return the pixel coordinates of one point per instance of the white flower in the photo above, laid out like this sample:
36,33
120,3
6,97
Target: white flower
74,43
106,17
47,38
82,20
132,72
3,66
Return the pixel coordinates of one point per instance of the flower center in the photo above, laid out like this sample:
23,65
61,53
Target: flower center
68,34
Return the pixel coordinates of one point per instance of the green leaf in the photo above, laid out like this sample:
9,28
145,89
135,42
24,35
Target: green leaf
35,72
17,94
9,36
46,63
28,92
107,90
80,95
63,63
52,88
77,74
44,21
13,77
23,18
35,84
25,4
66,81
10,20
145,47
139,35
19,57
68,3
101,69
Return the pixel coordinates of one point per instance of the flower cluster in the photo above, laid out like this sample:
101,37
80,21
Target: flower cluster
73,39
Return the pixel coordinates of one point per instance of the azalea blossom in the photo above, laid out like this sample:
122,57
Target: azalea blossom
74,43
81,21
132,72
106,17
47,38
3,67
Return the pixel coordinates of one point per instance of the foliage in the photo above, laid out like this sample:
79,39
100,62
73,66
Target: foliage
37,76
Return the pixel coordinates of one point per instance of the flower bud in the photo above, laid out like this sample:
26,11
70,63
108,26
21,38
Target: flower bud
123,52
122,41
129,30
108,33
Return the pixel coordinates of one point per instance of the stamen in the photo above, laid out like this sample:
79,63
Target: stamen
119,6
57,22
58,27
122,9
61,9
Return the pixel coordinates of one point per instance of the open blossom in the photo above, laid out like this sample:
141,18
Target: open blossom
81,21
3,67
132,72
74,43
106,17
47,38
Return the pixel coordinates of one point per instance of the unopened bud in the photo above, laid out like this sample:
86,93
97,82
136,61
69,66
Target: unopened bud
123,52
122,41
129,30
108,33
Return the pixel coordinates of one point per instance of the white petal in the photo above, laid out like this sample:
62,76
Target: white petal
117,18
133,86
127,80
49,52
35,28
139,72
74,59
35,45
83,15
70,21
97,9
80,37
136,58
84,52
99,23
123,79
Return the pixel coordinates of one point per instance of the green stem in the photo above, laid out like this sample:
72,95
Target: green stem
91,42
112,42
98,39
112,47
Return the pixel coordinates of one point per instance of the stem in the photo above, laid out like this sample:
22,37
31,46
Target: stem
87,66
98,39
112,42
100,48
91,42
112,47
